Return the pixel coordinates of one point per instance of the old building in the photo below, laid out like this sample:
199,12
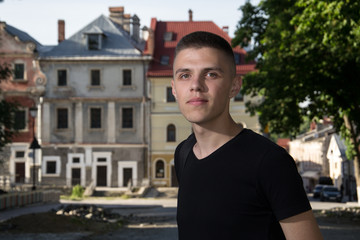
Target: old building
309,151
168,126
19,52
341,169
95,110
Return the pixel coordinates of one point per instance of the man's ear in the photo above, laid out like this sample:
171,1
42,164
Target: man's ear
173,89
236,86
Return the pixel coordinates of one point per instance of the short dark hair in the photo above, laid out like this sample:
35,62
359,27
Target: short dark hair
206,39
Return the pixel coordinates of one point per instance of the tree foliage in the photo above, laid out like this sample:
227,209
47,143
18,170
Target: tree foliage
308,63
7,110
308,52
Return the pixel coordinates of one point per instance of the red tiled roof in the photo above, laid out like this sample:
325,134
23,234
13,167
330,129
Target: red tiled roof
180,29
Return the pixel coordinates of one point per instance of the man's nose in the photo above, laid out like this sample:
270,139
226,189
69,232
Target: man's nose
197,84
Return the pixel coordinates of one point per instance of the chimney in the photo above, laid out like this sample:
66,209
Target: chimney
135,28
151,42
117,14
226,29
126,22
61,30
145,33
190,15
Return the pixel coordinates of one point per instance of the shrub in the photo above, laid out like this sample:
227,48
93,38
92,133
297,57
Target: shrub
77,191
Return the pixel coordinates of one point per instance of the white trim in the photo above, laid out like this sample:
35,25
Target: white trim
127,164
70,165
25,159
58,166
107,163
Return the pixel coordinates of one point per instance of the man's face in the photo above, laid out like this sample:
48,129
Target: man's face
203,84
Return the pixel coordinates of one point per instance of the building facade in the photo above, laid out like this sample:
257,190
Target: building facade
19,51
95,110
168,125
309,151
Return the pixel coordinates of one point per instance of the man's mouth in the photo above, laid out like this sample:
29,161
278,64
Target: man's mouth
197,101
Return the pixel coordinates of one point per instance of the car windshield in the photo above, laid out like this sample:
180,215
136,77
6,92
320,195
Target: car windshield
330,189
318,187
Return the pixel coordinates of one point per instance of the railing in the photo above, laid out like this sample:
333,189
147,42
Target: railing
19,199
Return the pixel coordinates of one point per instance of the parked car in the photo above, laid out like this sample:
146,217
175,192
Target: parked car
317,190
330,193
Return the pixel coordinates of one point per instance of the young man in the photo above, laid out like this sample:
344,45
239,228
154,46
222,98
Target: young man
235,184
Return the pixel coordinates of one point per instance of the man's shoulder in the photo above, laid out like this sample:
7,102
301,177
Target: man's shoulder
255,144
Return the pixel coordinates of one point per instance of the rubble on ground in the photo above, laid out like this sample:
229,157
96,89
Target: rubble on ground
91,212
351,213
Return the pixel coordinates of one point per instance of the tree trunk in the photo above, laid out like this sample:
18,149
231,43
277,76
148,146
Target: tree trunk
349,125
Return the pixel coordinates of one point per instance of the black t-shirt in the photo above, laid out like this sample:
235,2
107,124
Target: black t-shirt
240,191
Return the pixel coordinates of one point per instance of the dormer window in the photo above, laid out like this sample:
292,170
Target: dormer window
94,41
94,37
164,60
168,36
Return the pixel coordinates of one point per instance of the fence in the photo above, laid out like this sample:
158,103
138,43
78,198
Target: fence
19,199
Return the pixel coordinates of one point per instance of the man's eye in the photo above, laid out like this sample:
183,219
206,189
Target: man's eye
211,74
184,76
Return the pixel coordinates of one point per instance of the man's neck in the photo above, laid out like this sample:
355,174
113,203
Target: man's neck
209,140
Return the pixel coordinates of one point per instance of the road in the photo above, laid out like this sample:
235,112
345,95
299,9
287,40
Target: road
152,219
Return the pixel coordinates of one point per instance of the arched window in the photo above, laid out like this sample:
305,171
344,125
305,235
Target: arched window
160,169
171,133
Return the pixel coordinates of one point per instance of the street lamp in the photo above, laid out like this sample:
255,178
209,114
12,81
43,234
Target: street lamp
34,144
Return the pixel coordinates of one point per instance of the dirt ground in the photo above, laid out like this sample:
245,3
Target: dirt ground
332,227
49,222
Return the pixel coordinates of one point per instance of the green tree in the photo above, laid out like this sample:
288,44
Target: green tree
308,64
7,110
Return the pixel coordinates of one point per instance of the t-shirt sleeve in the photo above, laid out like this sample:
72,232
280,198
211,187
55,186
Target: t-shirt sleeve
282,185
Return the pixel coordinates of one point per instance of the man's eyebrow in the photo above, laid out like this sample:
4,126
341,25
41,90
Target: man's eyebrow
182,70
214,69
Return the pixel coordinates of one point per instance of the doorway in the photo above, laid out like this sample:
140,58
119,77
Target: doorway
127,177
20,172
75,176
101,176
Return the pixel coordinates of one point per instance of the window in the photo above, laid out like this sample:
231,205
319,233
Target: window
168,36
62,77
19,154
169,96
95,77
101,159
171,133
95,118
127,118
237,58
127,77
19,71
239,97
93,41
51,167
159,168
62,118
20,120
164,60
76,160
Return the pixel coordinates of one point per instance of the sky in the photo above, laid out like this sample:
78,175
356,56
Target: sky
39,17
